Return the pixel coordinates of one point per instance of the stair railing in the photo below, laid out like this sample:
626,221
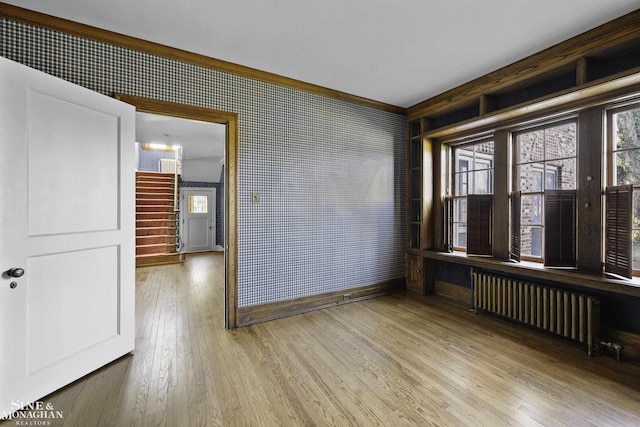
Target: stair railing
178,166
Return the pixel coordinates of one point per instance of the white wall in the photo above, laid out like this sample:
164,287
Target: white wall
207,170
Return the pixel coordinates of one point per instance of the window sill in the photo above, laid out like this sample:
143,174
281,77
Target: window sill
598,281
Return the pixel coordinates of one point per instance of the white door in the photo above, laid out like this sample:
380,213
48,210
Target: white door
198,219
67,223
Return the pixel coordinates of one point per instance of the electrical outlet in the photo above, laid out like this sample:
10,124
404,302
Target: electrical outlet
255,197
346,297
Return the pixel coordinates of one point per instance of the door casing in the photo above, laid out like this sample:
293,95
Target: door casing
147,105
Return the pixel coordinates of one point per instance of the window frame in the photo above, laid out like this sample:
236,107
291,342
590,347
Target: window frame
610,180
591,137
514,165
469,174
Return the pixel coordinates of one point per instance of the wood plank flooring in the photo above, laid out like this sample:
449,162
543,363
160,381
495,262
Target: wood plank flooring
389,361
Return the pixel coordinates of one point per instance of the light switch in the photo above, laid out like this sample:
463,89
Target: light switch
255,197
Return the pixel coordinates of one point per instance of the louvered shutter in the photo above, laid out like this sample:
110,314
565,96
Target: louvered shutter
560,228
448,207
618,225
516,210
479,226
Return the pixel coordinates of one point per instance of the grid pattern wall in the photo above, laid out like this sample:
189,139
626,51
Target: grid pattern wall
330,174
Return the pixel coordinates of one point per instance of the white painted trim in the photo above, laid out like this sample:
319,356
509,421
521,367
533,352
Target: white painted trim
212,211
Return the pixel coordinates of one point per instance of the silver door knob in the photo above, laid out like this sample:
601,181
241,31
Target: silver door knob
15,272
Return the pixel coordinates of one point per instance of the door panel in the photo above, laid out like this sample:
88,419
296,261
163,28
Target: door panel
73,313
61,160
198,235
67,184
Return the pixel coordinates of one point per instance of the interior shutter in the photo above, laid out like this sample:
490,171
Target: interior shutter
618,225
479,227
560,228
448,208
516,208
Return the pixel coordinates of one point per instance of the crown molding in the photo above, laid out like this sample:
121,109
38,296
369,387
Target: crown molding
567,53
16,13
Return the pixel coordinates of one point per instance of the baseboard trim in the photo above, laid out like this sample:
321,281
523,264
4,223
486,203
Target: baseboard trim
454,292
264,312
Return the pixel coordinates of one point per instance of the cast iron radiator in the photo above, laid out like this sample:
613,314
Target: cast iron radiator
569,314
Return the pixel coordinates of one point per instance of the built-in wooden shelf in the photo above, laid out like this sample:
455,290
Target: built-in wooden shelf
597,55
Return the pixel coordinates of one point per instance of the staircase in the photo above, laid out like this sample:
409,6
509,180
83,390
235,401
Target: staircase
155,219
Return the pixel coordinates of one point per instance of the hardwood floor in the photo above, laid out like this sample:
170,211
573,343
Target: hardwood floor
389,361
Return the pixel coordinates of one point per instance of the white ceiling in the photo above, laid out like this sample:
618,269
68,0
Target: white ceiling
199,140
399,52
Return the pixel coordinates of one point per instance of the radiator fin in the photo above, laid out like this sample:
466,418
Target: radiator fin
570,314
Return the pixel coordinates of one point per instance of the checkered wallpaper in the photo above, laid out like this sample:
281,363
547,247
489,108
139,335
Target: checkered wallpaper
330,174
149,160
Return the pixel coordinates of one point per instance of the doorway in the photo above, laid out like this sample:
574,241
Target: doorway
198,219
230,120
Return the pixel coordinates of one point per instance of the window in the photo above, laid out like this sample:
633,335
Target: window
198,204
545,160
472,174
623,156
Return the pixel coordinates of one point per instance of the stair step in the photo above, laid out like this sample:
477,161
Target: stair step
143,223
154,239
158,179
156,201
155,231
148,260
154,174
171,216
151,208
155,249
158,196
158,249
164,182
154,189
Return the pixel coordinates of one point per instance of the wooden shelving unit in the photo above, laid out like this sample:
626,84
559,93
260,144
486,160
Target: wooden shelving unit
414,180
605,53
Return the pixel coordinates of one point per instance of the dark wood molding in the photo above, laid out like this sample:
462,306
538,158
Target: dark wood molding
582,66
589,209
567,101
617,32
587,280
230,119
501,186
275,310
86,31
